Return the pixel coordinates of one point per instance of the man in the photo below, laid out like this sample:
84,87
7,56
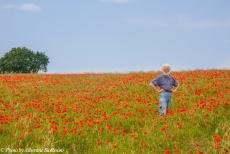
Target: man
167,85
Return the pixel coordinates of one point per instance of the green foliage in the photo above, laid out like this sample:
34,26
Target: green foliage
23,60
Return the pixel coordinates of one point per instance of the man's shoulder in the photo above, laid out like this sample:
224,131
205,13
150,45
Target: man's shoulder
172,77
159,76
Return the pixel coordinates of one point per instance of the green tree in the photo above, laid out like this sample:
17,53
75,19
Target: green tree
23,60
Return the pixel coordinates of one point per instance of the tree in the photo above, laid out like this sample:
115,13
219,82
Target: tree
23,60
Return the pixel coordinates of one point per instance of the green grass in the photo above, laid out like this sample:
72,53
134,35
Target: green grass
115,113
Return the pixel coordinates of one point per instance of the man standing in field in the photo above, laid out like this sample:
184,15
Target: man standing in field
167,85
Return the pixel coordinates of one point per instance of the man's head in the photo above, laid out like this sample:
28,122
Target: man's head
166,68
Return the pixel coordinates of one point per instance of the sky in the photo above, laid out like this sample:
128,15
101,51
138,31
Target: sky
119,35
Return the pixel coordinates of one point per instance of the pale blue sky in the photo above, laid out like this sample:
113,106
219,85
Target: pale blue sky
119,35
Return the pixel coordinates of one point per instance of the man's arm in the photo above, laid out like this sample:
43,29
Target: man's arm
175,89
176,85
155,87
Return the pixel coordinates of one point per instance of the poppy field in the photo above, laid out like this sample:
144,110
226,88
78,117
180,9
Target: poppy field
115,113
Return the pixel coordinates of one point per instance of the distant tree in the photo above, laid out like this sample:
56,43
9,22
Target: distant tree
23,60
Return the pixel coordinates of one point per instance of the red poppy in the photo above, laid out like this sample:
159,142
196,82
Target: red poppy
99,142
217,138
167,151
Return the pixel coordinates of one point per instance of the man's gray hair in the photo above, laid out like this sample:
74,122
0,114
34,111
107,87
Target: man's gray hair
166,65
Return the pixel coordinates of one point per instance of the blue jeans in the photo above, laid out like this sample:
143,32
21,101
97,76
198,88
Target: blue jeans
165,101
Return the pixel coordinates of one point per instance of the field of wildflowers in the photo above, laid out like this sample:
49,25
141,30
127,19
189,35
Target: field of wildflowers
115,113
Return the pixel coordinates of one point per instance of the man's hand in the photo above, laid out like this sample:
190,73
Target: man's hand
161,90
174,90
155,88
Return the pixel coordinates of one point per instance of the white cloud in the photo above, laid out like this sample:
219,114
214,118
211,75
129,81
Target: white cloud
208,24
27,7
115,1
30,7
187,21
182,20
145,21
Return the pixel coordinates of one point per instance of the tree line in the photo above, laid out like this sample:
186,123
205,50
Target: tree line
23,60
